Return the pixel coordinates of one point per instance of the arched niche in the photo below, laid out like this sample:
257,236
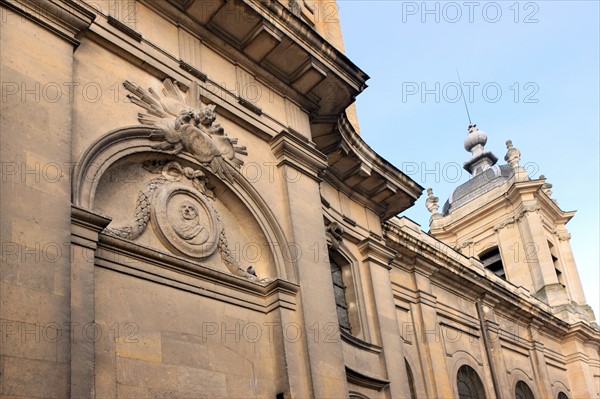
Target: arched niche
110,170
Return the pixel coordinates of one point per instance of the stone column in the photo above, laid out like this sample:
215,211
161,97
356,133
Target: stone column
377,258
300,164
85,228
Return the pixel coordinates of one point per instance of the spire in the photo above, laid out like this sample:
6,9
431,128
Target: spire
481,159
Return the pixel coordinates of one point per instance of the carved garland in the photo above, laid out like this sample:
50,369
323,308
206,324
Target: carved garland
183,217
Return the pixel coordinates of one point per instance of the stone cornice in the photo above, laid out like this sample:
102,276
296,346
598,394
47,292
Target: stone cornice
422,245
377,252
258,34
364,380
454,272
584,333
524,197
127,256
65,18
85,226
550,208
89,219
302,31
296,151
358,171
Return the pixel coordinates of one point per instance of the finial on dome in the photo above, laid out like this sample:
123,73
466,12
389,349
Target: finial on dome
474,138
513,155
481,159
432,203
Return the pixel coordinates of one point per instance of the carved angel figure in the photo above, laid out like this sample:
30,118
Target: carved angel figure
187,125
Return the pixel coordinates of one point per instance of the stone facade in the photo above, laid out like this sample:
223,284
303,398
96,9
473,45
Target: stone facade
188,210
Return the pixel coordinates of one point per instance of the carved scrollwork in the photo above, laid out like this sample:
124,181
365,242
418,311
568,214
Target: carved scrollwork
182,216
531,208
461,245
563,235
334,234
504,223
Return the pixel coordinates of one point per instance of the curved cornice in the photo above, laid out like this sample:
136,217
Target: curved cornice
357,170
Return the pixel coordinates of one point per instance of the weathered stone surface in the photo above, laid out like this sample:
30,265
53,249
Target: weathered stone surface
205,382
213,279
140,373
34,378
185,350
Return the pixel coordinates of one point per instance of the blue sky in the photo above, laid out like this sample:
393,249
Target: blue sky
534,72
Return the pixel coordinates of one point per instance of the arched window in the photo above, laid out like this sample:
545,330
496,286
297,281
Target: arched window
492,261
339,290
562,395
522,391
411,381
468,383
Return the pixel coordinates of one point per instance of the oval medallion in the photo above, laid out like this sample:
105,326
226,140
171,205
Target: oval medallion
185,221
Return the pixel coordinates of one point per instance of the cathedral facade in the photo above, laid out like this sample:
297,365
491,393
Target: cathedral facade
189,211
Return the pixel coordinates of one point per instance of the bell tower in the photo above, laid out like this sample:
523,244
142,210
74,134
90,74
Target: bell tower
509,223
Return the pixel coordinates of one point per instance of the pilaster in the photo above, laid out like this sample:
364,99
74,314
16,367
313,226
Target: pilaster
536,255
85,228
538,359
438,384
300,165
494,345
579,373
377,257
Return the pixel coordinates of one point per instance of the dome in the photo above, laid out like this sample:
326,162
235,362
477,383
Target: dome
477,186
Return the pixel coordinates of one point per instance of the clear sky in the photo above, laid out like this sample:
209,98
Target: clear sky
530,71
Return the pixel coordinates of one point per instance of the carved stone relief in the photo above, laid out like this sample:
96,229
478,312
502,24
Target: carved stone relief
334,233
185,221
185,124
178,204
